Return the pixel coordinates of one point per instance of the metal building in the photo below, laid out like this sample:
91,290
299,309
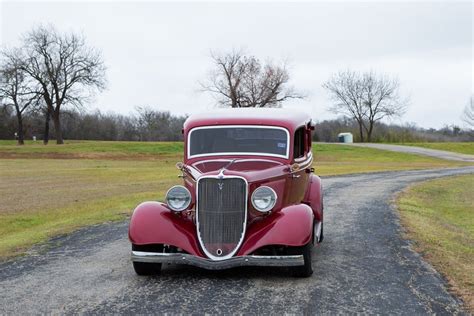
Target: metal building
345,137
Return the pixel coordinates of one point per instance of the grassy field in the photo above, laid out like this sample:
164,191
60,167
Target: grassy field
54,189
91,149
439,217
462,148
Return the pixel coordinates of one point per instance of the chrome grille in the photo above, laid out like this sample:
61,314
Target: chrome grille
221,215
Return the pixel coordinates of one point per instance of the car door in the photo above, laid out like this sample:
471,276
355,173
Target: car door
302,160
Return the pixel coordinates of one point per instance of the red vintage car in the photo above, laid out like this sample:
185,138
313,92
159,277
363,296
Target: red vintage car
249,197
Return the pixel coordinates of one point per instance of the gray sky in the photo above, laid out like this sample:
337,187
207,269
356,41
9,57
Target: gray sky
156,52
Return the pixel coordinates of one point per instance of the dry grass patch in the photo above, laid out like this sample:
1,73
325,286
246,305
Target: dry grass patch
42,198
439,218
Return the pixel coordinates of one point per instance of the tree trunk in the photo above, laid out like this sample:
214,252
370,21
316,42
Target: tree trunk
46,128
57,128
21,140
361,132
369,132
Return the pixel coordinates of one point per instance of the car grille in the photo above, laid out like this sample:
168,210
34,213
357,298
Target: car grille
221,215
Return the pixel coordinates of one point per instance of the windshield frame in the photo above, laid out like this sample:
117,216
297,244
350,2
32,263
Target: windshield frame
286,156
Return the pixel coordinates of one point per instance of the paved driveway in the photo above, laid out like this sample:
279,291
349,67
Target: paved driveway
362,266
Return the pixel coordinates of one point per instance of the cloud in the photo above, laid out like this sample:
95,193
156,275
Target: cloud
157,51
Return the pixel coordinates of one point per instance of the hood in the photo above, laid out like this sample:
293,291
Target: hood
251,169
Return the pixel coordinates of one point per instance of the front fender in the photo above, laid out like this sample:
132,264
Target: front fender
155,223
314,197
292,226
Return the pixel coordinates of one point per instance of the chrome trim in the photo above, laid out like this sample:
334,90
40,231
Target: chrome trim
304,159
266,210
187,205
286,156
245,219
180,258
221,174
241,160
305,162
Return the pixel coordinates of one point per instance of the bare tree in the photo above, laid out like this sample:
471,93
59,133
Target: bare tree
468,114
67,70
16,89
240,81
366,97
158,125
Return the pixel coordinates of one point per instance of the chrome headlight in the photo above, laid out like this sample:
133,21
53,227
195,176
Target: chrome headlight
264,199
178,198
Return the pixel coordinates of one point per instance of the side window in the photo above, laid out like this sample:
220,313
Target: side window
299,144
308,140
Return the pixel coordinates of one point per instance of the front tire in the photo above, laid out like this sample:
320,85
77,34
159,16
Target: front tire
305,270
146,268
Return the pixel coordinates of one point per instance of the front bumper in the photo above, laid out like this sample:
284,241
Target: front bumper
239,261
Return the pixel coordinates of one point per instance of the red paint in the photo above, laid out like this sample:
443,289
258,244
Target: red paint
289,120
154,223
299,192
291,226
313,197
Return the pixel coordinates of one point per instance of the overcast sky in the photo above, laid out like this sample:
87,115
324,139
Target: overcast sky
156,52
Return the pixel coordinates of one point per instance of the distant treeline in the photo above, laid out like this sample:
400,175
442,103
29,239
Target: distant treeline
146,124
327,131
142,125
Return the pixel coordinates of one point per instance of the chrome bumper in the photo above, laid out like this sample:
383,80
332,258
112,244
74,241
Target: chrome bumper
180,258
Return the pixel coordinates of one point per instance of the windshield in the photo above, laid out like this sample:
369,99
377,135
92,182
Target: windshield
240,140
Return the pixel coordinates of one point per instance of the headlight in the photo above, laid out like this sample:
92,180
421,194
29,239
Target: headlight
264,199
178,198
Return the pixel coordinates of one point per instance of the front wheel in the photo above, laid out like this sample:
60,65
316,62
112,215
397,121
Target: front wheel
146,268
305,270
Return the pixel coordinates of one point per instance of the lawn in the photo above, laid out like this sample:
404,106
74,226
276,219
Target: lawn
54,189
439,218
462,148
90,149
42,198
339,159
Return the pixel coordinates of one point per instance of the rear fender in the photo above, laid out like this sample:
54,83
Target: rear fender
292,226
155,223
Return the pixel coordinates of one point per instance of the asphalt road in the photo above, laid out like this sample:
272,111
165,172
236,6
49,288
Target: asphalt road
447,155
363,266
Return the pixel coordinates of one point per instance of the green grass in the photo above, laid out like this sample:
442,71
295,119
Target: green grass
339,159
439,217
81,149
42,198
54,189
462,148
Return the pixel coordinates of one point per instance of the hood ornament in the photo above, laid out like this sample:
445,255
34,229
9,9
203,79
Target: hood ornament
221,172
220,176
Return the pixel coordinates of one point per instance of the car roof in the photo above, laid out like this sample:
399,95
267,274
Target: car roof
286,118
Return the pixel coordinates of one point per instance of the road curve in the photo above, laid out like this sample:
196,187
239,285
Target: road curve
441,154
363,266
